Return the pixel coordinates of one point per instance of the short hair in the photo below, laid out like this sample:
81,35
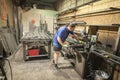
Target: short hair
72,24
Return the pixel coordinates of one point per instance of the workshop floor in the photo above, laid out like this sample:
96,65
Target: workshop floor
40,69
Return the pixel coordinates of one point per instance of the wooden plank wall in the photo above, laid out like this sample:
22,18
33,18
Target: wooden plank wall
108,35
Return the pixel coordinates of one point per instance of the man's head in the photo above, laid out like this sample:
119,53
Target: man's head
71,26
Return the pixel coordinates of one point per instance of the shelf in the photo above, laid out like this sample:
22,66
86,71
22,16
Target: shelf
42,55
76,22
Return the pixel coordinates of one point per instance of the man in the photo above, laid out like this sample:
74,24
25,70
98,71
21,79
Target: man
60,38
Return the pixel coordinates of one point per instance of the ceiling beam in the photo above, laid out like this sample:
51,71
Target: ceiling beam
42,3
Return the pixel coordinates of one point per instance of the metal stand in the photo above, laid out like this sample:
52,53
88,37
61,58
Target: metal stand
36,40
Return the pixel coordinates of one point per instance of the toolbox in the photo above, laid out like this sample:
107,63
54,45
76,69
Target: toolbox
33,52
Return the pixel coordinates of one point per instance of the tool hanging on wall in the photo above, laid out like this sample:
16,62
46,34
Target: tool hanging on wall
43,24
40,29
3,10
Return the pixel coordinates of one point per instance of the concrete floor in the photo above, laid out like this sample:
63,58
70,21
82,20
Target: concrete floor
40,69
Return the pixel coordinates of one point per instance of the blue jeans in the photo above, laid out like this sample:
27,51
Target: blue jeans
57,47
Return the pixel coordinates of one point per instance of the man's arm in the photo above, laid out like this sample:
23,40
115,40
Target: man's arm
75,36
60,40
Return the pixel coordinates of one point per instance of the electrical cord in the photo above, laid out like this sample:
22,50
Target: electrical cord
10,67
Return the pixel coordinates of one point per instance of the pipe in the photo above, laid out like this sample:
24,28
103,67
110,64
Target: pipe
111,57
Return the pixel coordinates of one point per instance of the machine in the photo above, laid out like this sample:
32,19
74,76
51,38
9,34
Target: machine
90,57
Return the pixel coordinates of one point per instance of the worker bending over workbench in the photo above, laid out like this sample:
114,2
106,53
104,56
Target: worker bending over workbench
59,39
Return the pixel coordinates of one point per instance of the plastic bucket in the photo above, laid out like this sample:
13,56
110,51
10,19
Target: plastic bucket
101,75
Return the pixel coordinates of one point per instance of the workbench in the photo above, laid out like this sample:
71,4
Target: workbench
36,40
90,57
86,63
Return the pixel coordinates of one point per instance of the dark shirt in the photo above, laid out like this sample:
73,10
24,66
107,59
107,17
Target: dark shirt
63,33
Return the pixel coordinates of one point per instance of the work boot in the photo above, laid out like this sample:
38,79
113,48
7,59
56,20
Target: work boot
56,66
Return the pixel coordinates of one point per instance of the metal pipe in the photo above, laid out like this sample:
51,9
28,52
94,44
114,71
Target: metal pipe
102,55
113,56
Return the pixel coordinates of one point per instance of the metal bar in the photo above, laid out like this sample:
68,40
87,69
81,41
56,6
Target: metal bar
42,55
114,61
49,49
111,55
102,55
16,22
